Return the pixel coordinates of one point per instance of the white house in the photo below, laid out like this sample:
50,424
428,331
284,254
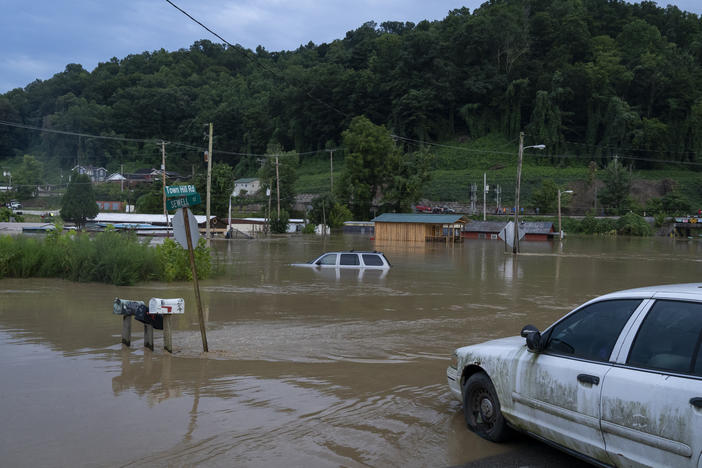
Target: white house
248,185
96,174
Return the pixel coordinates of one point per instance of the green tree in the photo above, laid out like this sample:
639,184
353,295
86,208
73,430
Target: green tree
369,151
151,201
632,224
28,177
78,204
327,208
221,187
407,174
614,196
545,198
675,203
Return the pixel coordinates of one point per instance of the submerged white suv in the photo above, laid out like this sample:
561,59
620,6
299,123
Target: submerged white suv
350,259
617,381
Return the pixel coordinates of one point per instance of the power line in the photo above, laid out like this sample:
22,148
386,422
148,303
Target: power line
152,140
628,148
86,135
243,52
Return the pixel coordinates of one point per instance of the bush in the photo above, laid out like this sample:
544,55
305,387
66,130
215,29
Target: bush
174,261
309,228
108,257
280,225
590,225
632,224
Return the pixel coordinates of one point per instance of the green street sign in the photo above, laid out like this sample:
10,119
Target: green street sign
179,190
182,202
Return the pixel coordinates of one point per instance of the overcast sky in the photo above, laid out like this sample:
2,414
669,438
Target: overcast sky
40,37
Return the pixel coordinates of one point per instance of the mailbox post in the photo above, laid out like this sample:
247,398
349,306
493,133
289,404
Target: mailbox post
167,307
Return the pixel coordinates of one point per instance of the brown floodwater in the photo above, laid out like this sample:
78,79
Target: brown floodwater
305,368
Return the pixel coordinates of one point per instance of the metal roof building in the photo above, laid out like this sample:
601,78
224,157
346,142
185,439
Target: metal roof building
490,229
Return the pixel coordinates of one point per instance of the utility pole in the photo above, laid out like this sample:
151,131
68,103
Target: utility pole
498,200
473,197
268,192
515,245
121,173
485,190
277,183
331,169
209,186
163,173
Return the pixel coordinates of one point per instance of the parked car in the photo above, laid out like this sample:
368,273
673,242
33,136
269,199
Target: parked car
350,259
15,205
617,381
423,209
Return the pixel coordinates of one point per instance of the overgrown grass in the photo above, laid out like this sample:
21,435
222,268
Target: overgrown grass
108,257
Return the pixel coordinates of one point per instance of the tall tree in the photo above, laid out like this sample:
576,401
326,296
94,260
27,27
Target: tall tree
369,151
78,204
407,174
221,187
614,196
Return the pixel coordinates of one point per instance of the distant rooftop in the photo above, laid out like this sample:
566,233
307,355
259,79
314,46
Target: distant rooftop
416,218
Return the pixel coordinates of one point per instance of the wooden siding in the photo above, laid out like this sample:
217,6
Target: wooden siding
416,232
407,232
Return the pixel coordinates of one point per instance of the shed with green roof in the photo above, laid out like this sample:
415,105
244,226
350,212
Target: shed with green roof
414,227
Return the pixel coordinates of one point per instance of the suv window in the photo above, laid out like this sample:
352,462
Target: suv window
329,259
372,260
349,259
590,333
669,338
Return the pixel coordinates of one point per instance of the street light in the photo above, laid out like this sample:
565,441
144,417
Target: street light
560,231
515,244
229,221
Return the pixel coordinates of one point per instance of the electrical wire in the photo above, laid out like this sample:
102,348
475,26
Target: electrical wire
84,135
243,52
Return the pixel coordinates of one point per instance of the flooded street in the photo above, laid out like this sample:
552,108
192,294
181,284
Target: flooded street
305,368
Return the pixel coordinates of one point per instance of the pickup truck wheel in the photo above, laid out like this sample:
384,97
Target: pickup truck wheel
482,409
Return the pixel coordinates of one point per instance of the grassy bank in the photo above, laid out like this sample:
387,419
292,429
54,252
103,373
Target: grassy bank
108,257
458,164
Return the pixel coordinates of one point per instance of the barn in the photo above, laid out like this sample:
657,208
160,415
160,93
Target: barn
412,227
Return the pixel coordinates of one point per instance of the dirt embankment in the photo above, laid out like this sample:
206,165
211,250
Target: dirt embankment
585,194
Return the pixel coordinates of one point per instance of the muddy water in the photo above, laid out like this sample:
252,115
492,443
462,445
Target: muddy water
305,368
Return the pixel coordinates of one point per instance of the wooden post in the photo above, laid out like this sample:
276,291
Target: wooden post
209,185
277,184
163,169
148,337
200,317
167,334
515,245
127,330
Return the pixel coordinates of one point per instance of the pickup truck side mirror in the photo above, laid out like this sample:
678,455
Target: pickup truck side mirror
533,338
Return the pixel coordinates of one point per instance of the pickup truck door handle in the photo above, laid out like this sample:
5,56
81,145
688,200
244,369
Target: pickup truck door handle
696,402
589,379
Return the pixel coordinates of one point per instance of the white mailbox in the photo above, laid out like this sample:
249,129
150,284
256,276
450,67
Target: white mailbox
166,306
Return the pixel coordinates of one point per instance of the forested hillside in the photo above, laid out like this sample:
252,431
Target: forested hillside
590,79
